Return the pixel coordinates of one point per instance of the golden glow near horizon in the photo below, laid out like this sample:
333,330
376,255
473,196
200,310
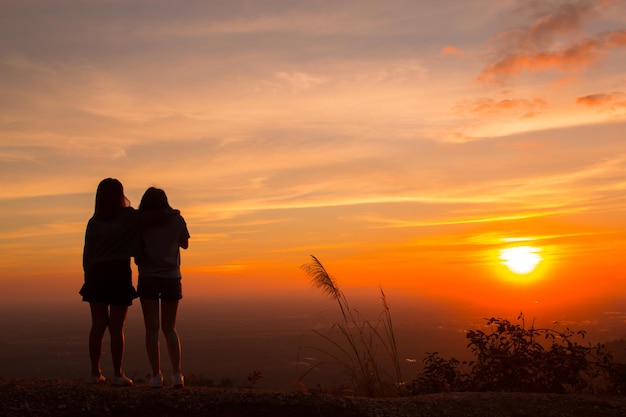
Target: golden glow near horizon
402,143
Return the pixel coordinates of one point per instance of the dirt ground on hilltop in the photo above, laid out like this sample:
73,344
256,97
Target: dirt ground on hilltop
71,398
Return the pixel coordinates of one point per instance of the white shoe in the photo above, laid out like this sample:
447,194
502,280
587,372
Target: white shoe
156,381
178,380
122,381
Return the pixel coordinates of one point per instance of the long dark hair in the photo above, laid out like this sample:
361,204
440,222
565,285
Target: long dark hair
110,199
154,199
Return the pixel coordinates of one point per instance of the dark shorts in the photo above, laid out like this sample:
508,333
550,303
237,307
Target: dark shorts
153,288
109,283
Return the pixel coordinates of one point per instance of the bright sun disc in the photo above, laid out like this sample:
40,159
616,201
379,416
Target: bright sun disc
520,259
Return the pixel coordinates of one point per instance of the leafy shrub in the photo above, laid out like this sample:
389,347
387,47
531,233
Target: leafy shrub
440,375
514,358
617,378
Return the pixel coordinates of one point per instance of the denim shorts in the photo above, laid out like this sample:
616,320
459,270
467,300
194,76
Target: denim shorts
153,288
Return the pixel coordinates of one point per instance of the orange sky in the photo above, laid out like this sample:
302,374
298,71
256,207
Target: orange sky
403,143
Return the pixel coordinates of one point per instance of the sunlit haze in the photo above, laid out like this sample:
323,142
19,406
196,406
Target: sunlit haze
411,144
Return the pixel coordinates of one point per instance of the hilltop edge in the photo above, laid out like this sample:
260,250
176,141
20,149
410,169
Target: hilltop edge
69,398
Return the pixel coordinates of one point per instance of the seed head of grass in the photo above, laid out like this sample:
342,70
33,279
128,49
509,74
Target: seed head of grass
320,278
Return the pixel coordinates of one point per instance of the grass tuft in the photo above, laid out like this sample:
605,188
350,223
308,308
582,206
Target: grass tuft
360,343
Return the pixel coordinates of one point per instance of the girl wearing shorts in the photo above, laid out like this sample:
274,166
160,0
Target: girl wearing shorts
163,232
109,241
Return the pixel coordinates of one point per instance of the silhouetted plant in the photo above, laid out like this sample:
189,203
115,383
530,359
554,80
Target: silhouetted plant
514,358
253,378
440,375
617,379
360,341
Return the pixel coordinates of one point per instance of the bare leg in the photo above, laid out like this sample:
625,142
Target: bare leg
168,319
99,323
116,331
151,320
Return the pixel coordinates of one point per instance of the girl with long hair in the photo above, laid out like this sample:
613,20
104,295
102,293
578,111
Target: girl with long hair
109,242
163,232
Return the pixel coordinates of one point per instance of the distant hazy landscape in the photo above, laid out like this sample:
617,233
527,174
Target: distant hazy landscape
224,339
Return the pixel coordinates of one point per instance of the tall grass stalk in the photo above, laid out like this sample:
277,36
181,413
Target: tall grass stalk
391,345
360,340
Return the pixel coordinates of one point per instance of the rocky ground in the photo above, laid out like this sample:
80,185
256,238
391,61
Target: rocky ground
70,398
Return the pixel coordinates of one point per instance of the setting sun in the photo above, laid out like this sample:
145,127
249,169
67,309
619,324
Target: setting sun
521,259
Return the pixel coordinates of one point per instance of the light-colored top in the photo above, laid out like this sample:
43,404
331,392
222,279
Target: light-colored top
163,233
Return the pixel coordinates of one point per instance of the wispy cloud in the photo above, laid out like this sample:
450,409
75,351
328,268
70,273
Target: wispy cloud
555,39
451,50
605,102
519,107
